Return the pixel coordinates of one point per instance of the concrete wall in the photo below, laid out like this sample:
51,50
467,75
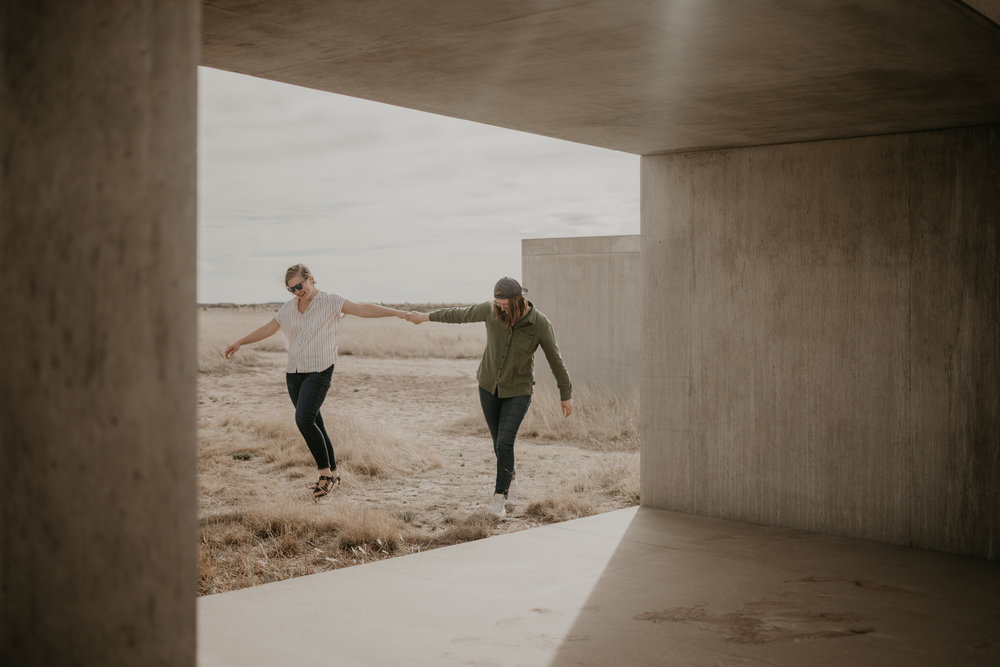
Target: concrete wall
590,288
822,337
97,339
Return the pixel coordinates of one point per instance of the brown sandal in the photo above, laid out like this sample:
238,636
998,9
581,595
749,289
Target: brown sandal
336,480
325,485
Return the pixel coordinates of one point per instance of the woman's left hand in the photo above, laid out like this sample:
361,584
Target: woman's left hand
567,407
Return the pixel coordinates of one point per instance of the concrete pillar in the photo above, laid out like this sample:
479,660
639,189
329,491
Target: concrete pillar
590,289
822,337
97,338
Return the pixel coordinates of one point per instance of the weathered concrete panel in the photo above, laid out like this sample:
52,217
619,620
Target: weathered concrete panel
644,76
97,339
829,320
955,363
590,288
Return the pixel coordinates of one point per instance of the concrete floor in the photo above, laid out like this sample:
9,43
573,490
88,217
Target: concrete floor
632,587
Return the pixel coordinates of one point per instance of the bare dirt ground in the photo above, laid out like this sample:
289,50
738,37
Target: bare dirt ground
434,404
412,447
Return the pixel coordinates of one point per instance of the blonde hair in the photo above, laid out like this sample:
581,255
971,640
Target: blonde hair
298,270
518,307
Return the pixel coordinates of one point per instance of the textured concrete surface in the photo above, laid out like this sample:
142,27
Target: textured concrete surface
97,339
590,288
645,76
633,587
97,250
827,335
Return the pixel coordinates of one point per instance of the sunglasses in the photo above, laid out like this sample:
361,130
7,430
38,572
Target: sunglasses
294,288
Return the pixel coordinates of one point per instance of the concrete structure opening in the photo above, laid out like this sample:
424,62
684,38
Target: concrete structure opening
818,174
795,211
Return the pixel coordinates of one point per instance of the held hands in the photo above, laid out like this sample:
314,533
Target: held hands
567,407
417,318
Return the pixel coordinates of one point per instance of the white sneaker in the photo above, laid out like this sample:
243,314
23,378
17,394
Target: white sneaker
496,506
512,491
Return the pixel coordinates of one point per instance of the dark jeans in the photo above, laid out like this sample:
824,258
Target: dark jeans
307,391
503,416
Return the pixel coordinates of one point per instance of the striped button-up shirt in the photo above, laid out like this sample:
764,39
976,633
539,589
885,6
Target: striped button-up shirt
311,337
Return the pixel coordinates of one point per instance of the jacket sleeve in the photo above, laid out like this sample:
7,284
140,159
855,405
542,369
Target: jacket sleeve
550,347
477,313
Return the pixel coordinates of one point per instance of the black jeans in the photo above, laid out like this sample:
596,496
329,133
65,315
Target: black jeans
307,391
503,416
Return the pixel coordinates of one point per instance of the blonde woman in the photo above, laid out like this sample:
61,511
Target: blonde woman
309,323
514,330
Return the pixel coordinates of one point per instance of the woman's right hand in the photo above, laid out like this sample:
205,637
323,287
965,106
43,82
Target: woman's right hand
231,350
417,318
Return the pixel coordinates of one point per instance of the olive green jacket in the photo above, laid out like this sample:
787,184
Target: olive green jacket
508,364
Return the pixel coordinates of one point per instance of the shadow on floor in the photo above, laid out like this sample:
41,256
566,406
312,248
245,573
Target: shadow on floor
714,592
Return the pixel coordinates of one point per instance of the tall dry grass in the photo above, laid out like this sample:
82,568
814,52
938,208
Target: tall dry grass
366,448
218,327
369,337
601,420
255,527
614,476
284,537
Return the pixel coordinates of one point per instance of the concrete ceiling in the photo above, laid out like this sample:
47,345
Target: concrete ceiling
641,76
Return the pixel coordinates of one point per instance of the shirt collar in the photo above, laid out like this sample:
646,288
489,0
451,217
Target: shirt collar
529,318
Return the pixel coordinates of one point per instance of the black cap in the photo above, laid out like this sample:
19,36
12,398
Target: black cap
508,288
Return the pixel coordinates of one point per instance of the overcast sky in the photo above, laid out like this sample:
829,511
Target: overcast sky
383,203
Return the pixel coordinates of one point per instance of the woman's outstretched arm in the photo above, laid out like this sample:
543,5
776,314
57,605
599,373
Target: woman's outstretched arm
258,334
370,310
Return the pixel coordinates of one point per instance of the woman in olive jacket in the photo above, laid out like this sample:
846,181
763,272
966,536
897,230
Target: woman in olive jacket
514,330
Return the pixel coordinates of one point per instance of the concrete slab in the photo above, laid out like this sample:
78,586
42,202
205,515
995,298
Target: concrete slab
633,587
645,76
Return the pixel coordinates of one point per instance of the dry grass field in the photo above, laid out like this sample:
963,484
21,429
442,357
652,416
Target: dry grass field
412,449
